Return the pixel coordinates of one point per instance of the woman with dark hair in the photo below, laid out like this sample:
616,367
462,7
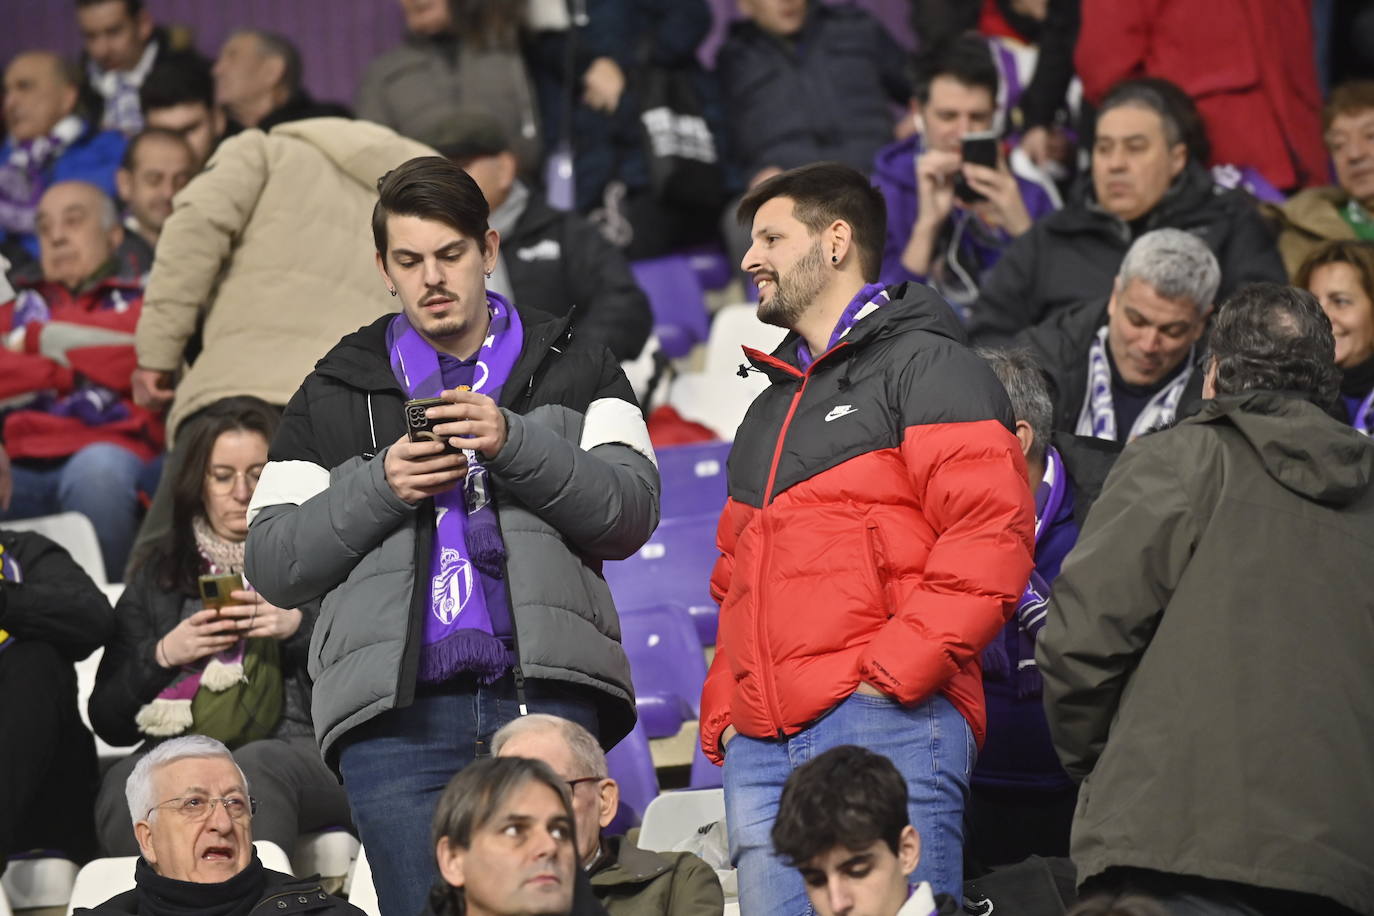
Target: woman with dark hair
236,672
1341,275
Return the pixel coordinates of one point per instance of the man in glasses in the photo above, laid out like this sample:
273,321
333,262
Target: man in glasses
627,880
193,818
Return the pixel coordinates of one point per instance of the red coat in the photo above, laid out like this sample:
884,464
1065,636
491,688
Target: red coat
1248,64
879,528
86,337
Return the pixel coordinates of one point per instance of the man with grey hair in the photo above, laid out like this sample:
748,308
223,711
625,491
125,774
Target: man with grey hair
627,880
1021,801
75,440
1126,367
1207,650
258,82
193,817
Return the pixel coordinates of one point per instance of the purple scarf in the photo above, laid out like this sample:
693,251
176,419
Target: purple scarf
1362,416
9,572
869,299
459,633
1012,653
23,176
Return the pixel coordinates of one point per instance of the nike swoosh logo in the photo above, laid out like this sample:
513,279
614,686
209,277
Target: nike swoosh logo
843,410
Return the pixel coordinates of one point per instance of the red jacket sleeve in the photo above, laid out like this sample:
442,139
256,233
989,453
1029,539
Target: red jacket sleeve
971,481
715,692
1113,42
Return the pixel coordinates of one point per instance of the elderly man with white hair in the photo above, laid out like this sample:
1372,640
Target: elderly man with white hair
1128,365
626,880
193,817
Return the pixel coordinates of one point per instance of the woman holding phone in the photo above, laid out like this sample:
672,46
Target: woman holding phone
197,651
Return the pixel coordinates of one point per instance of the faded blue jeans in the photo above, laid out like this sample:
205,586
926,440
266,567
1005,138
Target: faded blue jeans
397,765
930,743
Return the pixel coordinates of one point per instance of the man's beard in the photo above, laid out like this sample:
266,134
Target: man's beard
794,291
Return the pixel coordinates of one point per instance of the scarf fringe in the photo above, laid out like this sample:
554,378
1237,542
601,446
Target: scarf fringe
164,718
485,546
220,676
470,651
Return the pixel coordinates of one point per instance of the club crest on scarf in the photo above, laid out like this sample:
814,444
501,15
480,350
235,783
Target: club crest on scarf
460,633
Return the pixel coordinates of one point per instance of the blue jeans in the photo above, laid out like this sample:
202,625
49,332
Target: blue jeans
101,482
930,743
397,765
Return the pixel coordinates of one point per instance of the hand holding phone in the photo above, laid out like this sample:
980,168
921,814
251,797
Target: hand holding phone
978,149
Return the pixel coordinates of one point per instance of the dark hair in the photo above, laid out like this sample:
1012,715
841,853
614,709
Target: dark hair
133,7
1270,337
1182,123
473,797
848,796
431,187
1348,99
822,193
174,558
179,80
150,133
273,44
966,59
1359,255
487,25
1125,905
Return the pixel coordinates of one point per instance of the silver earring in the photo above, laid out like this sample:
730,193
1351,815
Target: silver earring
488,275
391,289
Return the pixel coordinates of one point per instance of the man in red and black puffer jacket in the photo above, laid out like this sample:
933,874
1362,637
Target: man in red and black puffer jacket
878,533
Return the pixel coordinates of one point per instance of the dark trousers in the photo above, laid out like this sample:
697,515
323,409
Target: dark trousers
296,794
397,765
48,771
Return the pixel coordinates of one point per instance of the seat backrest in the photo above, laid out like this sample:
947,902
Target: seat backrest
677,301
693,479
4,904
362,893
101,879
665,653
631,764
674,567
75,533
675,816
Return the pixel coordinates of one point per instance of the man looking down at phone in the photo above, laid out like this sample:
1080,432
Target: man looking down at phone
197,652
950,217
461,576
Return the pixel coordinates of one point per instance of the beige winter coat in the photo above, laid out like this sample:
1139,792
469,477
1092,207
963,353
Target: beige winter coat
269,253
1307,219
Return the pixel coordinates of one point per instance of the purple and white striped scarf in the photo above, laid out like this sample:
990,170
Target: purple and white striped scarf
23,178
1098,416
1364,416
868,300
459,635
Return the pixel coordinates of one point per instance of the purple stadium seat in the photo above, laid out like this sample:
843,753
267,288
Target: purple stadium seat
667,665
679,307
632,766
693,479
673,567
705,774
712,266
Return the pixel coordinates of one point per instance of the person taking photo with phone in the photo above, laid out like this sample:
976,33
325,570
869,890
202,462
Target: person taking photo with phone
461,578
953,205
196,651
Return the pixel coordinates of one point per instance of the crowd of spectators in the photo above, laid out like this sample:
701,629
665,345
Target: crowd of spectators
1088,191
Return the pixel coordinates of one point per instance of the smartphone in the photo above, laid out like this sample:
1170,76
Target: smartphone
980,149
216,591
420,428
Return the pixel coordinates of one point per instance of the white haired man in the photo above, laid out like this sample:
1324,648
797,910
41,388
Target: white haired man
193,818
627,880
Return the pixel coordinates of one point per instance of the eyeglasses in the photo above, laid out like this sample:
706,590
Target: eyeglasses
573,783
199,807
222,481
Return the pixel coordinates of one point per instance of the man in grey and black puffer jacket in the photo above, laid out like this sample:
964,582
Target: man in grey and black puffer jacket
349,509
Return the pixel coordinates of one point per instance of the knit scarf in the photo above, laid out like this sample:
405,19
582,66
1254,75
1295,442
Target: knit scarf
119,89
1359,221
1012,652
23,178
169,713
161,896
1098,416
9,572
459,634
869,299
